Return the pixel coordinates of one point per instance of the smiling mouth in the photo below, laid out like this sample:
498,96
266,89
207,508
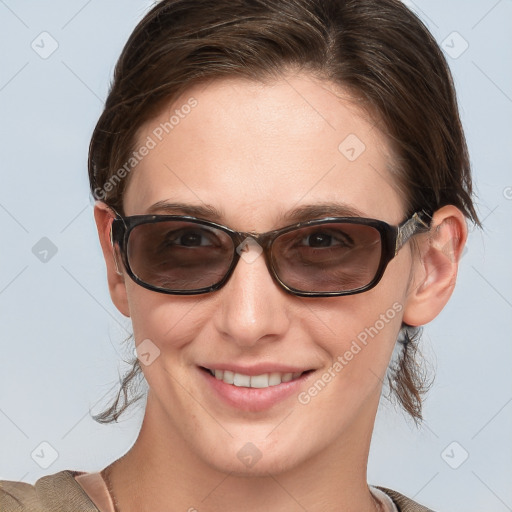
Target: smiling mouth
264,380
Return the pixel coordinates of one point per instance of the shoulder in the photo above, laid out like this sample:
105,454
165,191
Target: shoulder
59,492
403,503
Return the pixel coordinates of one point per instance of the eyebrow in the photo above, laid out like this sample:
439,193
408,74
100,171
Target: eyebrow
205,211
300,214
319,210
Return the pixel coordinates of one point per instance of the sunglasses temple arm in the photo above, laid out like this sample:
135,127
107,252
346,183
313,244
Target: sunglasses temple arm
114,248
416,224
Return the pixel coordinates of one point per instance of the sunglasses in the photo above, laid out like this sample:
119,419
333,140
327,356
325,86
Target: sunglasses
326,257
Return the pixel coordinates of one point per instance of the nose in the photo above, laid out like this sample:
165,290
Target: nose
252,307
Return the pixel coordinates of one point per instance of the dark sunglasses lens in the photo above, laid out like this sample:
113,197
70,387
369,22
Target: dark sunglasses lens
179,256
329,257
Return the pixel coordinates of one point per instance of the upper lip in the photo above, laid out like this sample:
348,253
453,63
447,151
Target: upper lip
256,369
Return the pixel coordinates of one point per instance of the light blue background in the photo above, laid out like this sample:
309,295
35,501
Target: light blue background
61,343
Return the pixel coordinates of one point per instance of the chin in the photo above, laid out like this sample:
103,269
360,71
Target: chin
261,468
256,459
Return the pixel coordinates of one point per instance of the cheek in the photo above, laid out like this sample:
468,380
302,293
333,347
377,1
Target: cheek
167,320
359,351
358,333
361,333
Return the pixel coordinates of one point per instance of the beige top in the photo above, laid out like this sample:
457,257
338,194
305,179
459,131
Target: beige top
78,491
96,488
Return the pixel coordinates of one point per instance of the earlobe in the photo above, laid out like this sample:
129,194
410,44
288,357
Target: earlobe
104,216
435,266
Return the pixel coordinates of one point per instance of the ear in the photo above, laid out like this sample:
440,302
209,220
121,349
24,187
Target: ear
435,267
104,216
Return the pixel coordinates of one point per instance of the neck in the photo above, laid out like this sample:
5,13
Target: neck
161,469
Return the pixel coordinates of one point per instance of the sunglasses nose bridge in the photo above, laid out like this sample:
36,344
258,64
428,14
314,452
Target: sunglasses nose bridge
249,246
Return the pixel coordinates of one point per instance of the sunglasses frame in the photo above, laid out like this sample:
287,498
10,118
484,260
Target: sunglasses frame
393,238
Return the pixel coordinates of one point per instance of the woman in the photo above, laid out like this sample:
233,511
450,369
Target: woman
282,189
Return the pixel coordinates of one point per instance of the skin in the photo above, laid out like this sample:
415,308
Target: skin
255,151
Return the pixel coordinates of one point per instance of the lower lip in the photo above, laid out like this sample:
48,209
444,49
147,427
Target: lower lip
254,399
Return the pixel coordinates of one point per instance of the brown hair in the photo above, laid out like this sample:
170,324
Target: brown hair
376,49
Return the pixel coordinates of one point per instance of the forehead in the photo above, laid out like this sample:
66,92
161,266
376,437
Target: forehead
254,151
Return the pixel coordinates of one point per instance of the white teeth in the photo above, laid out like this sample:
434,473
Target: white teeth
259,381
228,377
241,380
256,381
274,379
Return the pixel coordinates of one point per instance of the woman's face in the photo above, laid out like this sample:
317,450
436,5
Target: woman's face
253,153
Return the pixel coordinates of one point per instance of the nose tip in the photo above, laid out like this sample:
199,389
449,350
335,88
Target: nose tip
252,306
